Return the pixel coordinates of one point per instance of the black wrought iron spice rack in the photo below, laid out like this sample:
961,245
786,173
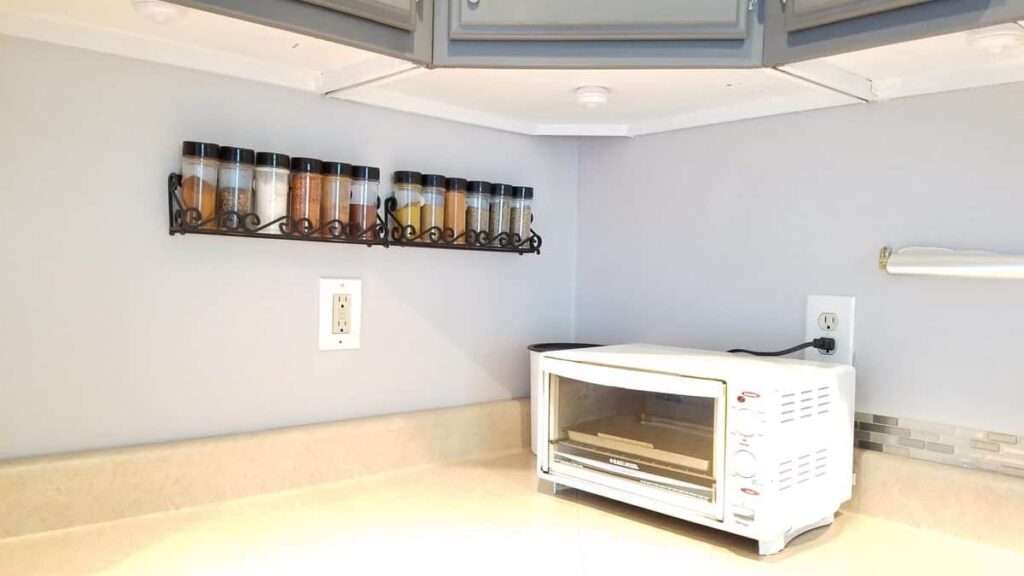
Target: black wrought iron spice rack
183,220
437,237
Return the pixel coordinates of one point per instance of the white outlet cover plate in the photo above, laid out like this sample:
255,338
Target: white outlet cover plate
843,307
326,336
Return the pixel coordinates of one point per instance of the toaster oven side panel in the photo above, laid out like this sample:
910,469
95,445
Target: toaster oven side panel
810,439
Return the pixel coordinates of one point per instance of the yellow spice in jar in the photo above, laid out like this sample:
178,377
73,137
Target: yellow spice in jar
408,215
433,217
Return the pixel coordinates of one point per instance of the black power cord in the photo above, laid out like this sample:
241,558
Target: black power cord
826,345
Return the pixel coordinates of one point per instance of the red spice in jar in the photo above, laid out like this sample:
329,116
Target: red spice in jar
304,195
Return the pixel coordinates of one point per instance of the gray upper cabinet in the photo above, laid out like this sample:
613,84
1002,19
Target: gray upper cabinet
400,28
397,13
588,33
798,30
803,14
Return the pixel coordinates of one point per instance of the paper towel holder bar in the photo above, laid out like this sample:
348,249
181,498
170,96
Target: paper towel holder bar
926,261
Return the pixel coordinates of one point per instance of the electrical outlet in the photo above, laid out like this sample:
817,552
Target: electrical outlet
830,317
828,321
340,311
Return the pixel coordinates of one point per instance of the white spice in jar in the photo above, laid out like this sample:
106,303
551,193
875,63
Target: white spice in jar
272,179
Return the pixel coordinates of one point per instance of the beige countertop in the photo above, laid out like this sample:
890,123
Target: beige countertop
473,517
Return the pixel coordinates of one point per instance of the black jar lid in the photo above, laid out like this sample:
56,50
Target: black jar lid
434,180
366,173
501,190
478,187
272,160
240,155
306,165
337,169
456,184
522,192
201,149
406,177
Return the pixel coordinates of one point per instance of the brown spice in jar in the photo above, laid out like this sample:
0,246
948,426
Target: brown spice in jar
233,199
305,198
201,195
361,217
455,215
521,219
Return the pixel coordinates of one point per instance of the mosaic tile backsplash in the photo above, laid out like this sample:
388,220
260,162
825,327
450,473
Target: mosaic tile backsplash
943,443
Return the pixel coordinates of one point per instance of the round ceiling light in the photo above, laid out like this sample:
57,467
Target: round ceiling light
997,40
591,97
158,11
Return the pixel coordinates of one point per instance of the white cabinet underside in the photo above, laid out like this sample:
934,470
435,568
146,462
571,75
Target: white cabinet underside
536,102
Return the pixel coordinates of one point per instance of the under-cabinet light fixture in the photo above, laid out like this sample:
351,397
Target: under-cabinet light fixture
159,11
997,40
944,262
591,97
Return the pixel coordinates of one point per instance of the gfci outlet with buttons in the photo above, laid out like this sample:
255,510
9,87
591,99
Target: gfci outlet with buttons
340,313
830,317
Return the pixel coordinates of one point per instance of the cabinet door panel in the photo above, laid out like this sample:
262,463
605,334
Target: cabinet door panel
400,28
597,20
398,13
802,14
598,33
797,30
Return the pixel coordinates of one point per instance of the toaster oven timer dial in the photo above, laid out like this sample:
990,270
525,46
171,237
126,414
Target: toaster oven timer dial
744,464
747,422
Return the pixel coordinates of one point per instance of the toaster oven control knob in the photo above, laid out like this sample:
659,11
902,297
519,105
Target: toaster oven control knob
747,422
744,464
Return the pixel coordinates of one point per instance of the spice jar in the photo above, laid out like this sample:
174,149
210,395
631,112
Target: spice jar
334,205
522,200
271,188
199,165
501,213
432,214
478,204
234,186
362,212
304,203
408,201
455,210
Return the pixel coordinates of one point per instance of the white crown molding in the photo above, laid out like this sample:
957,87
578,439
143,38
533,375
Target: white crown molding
374,95
831,76
120,43
372,70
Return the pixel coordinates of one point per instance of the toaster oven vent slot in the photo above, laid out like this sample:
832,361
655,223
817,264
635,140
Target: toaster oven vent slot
804,405
820,463
802,469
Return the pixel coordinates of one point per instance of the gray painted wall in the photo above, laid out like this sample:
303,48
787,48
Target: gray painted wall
713,237
114,333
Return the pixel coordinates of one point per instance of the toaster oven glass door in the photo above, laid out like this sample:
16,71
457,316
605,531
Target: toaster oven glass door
651,434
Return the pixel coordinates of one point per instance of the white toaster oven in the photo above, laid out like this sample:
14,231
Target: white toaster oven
759,447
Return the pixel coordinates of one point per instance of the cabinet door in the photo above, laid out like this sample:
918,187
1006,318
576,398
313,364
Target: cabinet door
589,20
590,33
797,30
397,13
400,28
802,14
